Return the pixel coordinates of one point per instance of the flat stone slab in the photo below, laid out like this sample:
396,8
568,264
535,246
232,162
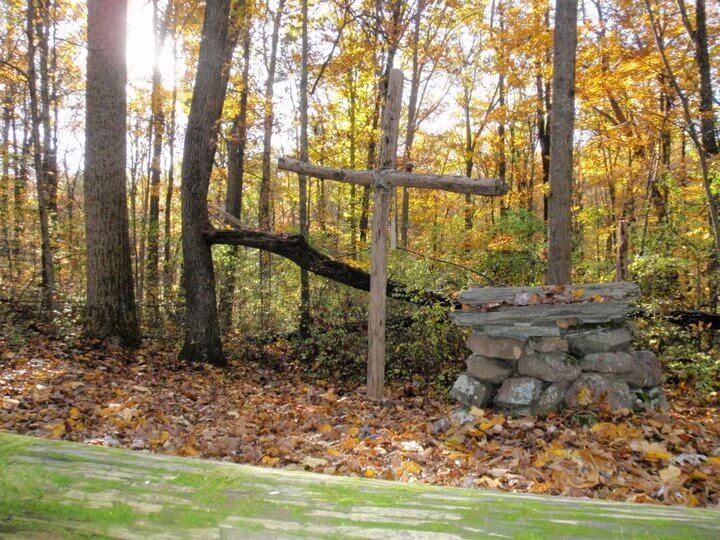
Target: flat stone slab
552,315
523,296
53,489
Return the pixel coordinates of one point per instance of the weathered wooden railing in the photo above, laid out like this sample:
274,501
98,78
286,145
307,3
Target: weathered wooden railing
52,489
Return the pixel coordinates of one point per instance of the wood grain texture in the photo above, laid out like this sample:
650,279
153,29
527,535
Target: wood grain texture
53,489
378,253
455,184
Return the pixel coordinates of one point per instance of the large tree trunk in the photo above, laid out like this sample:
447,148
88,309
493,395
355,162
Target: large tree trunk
561,144
265,220
202,333
110,304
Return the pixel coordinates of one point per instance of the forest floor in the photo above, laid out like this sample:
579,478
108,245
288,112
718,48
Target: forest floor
65,388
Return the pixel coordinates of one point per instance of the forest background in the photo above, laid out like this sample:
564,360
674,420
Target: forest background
477,103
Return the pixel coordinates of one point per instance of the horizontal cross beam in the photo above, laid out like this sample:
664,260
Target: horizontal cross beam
456,184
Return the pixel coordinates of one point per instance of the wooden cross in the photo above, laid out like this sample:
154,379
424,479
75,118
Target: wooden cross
385,179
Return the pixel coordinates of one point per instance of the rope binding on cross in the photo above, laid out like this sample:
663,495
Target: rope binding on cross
380,177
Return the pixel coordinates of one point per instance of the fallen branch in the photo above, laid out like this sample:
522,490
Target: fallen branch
685,317
296,248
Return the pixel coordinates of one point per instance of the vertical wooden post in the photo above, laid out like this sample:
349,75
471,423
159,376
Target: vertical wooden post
381,208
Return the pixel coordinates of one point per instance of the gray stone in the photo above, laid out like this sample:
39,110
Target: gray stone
521,331
551,399
440,425
551,367
461,416
518,392
549,344
607,387
608,362
645,372
496,347
471,392
488,369
518,411
600,340
572,293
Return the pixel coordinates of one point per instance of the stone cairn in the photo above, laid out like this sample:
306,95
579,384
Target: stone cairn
536,350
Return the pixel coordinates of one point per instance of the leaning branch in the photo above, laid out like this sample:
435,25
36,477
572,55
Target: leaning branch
297,249
456,184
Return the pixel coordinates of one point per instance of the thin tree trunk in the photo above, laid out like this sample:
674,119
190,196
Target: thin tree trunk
202,332
469,157
236,172
47,264
265,220
561,144
110,304
411,121
707,124
8,109
712,198
353,151
168,264
302,179
157,128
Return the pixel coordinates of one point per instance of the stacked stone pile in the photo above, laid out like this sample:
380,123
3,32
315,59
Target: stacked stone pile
536,350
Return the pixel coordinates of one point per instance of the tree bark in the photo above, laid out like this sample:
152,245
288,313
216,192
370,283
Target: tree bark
298,250
561,144
168,263
411,121
44,192
264,219
237,143
621,253
157,124
302,179
110,304
202,333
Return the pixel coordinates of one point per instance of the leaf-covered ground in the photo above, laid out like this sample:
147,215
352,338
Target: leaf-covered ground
64,388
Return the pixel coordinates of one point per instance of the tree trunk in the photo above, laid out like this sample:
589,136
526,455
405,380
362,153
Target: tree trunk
622,248
157,129
469,158
561,144
110,304
44,192
237,143
168,264
8,109
707,124
353,151
411,122
302,179
265,221
202,333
